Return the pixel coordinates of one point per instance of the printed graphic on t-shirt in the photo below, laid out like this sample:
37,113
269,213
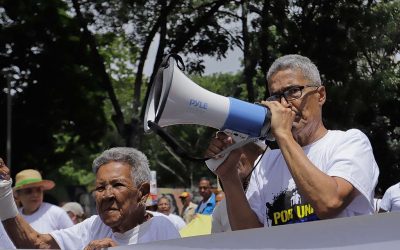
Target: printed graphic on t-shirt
287,208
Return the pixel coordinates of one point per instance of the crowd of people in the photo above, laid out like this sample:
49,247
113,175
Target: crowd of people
315,174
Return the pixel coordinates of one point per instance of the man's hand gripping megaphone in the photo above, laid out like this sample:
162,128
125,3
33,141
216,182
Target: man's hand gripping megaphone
223,144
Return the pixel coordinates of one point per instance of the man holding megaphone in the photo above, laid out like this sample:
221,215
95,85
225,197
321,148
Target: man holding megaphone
315,174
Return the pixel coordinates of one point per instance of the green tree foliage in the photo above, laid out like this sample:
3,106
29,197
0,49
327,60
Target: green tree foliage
57,105
65,55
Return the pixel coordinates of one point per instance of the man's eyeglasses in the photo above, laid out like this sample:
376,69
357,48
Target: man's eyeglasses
291,93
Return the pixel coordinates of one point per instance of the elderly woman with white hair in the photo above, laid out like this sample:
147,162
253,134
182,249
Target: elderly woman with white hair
122,187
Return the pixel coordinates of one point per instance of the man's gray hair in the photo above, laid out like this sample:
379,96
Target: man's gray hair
138,162
296,62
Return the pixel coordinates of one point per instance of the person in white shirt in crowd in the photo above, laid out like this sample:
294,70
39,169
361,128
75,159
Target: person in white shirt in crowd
391,199
42,216
122,187
75,211
315,174
249,155
164,207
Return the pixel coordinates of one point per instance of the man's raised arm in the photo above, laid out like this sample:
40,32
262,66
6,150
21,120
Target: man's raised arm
240,214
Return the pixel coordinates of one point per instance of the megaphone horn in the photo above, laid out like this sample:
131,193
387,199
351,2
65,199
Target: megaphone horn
175,99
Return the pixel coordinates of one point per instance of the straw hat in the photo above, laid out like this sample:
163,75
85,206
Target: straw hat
31,178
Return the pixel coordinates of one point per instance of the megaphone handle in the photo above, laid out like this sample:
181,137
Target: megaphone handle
214,163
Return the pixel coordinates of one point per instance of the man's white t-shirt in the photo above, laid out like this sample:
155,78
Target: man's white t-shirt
273,194
48,218
5,241
391,199
93,228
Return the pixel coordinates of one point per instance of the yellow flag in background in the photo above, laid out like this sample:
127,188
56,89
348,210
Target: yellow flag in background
200,225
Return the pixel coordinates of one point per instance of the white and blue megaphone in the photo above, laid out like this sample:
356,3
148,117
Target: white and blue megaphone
175,99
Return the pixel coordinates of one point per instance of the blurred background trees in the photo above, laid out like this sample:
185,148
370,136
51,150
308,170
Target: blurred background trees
78,86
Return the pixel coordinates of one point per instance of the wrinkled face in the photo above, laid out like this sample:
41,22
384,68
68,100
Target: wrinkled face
205,189
164,206
308,107
30,198
117,197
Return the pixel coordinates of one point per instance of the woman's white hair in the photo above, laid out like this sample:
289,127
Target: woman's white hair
138,162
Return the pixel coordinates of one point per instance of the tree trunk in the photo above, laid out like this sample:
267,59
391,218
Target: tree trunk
161,21
249,62
99,69
263,37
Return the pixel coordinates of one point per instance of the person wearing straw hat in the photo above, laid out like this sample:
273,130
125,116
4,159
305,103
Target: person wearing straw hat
42,216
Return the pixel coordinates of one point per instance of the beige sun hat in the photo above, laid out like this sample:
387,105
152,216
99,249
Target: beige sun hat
31,178
73,207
